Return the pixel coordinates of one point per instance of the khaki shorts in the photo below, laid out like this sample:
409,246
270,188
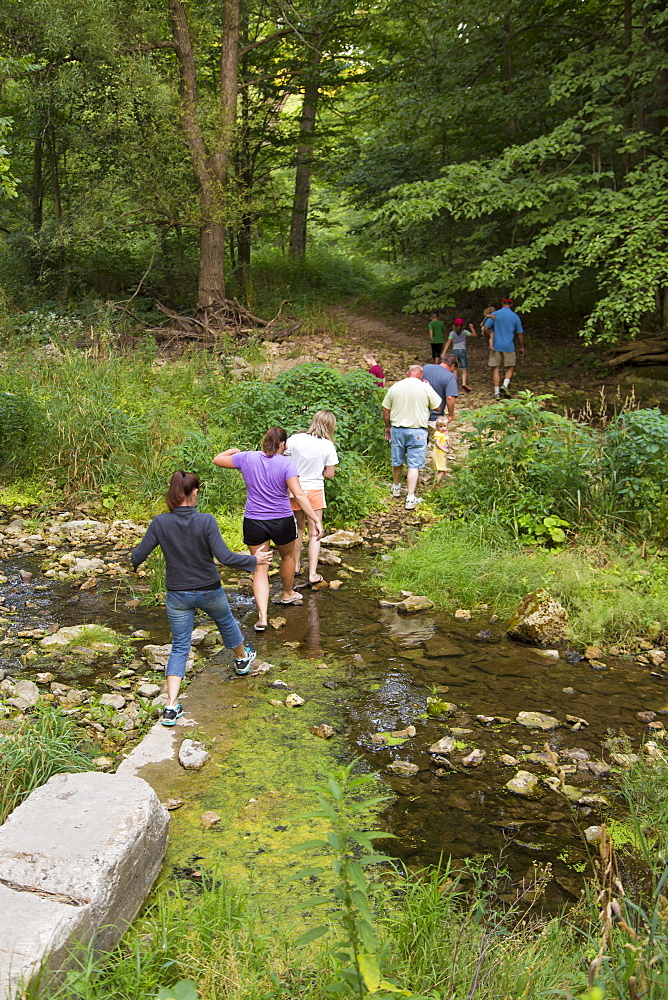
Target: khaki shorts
506,358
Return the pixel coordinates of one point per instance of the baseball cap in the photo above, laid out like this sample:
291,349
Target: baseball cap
459,320
507,302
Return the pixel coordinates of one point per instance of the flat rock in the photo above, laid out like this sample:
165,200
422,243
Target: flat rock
77,860
474,758
443,746
403,767
342,539
412,604
524,783
112,700
193,755
508,760
439,646
537,720
538,620
463,613
148,690
598,767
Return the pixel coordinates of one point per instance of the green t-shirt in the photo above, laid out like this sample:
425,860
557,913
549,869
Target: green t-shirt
437,331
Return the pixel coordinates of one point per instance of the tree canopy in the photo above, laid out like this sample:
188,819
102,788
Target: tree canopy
515,148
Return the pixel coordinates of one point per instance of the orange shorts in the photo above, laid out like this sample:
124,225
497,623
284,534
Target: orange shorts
317,498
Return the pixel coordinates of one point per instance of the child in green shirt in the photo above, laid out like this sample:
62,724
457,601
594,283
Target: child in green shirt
436,335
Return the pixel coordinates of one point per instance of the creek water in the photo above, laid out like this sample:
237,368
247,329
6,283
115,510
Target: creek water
391,664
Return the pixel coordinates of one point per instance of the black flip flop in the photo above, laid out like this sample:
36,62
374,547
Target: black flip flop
314,583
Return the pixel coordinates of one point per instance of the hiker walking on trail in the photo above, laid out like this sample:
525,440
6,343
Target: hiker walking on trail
268,516
503,324
189,541
443,380
315,457
457,343
436,336
406,408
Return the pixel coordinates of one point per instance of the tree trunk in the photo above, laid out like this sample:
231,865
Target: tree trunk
210,168
304,161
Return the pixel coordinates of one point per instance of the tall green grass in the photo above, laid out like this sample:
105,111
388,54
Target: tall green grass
608,589
42,745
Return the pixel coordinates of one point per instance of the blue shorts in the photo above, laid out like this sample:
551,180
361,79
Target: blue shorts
409,445
462,359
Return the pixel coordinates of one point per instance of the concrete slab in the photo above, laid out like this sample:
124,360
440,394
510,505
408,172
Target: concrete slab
77,860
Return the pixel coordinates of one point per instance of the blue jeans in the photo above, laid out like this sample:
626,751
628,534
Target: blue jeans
180,605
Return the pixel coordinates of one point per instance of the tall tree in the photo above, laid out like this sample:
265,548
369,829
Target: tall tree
209,160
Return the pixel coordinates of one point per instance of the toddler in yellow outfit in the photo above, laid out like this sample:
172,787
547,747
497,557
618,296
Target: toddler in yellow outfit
441,448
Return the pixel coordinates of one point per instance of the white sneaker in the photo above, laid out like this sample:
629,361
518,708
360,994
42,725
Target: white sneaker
395,489
412,502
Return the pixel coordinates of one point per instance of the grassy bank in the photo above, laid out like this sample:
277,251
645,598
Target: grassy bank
609,590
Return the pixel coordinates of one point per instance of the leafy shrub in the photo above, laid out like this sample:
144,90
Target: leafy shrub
636,446
20,420
526,464
291,400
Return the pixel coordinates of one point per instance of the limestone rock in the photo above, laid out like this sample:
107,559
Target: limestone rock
294,701
148,690
439,646
443,746
537,720
403,767
508,760
594,834
524,783
463,613
209,819
77,860
538,620
412,604
474,758
193,755
656,657
342,539
112,700
27,691
323,731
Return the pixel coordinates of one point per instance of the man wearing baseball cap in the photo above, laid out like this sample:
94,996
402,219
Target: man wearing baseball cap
503,325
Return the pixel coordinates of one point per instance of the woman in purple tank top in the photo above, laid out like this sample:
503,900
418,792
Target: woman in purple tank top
268,516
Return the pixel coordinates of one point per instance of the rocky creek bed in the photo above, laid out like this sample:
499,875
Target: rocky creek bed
489,747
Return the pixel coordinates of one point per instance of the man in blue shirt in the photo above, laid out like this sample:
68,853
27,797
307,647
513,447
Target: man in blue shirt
443,380
503,325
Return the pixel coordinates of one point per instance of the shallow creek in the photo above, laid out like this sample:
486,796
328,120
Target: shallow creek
385,667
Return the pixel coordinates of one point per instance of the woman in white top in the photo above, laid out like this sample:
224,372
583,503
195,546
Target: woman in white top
315,456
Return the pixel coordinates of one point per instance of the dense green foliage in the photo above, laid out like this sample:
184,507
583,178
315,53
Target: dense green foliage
114,430
527,463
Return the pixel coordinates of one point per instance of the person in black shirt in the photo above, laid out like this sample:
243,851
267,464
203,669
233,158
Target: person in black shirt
189,541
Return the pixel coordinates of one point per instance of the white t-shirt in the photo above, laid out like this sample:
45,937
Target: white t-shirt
311,454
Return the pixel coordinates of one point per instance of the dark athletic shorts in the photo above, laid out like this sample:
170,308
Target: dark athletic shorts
436,350
279,530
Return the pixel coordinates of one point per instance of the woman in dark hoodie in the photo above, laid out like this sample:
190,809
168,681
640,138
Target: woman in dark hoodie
189,541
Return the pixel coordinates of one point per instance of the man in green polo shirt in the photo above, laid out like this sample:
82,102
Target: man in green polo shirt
437,336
